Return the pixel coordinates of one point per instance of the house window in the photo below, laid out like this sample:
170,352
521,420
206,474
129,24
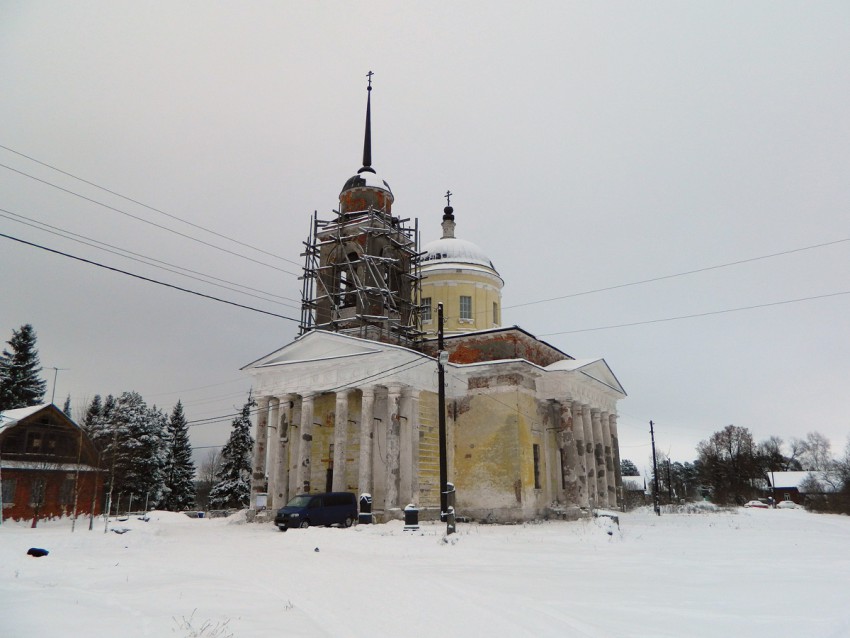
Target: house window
536,450
37,492
465,307
66,492
33,442
787,496
426,309
8,492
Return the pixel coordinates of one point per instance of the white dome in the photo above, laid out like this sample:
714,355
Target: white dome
453,250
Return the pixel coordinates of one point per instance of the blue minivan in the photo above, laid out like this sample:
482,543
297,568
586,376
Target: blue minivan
330,508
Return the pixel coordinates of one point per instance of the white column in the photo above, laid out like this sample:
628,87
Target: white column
581,460
258,480
295,447
615,449
305,444
392,460
610,479
589,459
274,449
567,443
408,447
340,440
599,457
367,425
282,492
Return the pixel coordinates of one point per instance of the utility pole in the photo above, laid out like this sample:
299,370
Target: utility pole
447,509
654,472
55,374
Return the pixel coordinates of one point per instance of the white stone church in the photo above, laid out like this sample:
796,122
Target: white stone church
352,403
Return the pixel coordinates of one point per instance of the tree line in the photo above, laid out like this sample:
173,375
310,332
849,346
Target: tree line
731,468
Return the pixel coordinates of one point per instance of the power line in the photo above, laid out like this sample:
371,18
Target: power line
148,279
681,274
156,210
146,221
700,314
142,259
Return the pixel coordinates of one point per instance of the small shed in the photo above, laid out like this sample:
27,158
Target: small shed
48,466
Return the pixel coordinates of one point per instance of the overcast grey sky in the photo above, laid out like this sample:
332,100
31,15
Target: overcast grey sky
588,145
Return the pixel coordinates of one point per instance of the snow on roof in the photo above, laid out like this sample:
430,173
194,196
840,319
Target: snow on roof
452,249
12,417
794,480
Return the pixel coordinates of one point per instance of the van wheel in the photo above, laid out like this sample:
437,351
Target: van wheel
304,524
282,528
348,522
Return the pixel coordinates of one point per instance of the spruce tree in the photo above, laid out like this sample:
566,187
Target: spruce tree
233,488
139,454
179,470
67,407
20,385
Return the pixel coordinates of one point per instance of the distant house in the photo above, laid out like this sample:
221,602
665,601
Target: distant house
47,464
799,486
634,491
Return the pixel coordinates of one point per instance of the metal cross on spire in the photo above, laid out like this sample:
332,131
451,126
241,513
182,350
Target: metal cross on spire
448,197
369,76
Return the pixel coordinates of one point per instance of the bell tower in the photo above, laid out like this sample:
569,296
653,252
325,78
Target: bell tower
361,269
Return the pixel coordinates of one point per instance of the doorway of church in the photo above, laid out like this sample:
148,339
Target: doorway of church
329,474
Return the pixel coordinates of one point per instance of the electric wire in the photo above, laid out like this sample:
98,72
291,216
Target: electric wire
684,273
148,279
144,259
147,221
154,209
694,271
701,314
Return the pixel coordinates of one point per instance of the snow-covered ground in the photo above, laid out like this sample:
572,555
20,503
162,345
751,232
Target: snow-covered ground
768,573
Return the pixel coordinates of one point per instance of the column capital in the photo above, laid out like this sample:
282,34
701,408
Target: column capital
368,391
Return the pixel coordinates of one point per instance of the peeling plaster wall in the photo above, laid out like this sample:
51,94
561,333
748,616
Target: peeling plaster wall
495,430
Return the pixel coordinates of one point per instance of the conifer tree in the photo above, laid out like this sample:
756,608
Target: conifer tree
20,385
233,488
67,407
179,470
138,451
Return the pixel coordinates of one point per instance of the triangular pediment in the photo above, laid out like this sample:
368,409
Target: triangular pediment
317,345
596,369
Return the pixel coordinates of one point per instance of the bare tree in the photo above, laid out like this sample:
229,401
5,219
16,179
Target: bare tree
207,477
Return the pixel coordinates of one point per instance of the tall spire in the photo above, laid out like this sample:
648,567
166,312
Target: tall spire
367,141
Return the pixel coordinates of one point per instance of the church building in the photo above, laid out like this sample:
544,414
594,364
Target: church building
352,403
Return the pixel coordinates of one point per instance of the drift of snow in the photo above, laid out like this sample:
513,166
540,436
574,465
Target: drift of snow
770,573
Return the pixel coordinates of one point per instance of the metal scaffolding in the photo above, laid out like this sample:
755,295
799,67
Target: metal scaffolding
362,277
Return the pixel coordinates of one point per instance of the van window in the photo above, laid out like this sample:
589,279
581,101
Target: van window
299,501
316,501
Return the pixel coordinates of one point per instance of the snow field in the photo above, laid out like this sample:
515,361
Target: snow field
724,573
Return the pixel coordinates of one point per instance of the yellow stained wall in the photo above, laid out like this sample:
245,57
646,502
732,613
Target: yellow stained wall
324,412
494,462
448,288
